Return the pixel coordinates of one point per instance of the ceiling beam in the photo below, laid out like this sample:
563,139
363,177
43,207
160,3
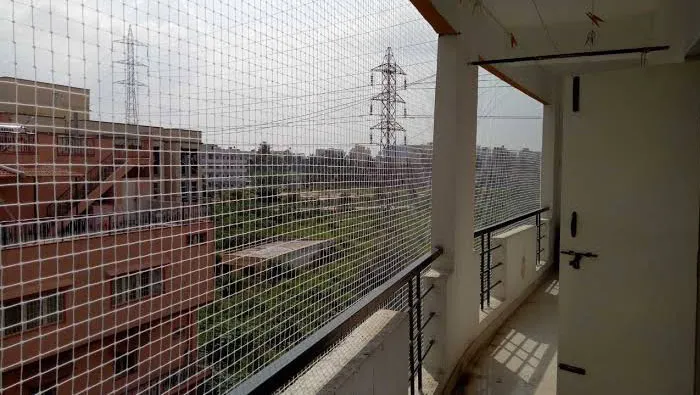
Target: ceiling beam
513,83
584,54
433,16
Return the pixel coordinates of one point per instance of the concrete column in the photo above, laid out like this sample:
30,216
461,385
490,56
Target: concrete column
552,126
455,276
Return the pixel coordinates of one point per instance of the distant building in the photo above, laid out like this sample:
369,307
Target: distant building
333,153
360,152
279,256
103,266
223,168
404,153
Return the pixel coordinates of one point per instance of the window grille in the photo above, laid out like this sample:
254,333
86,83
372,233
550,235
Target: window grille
33,312
73,144
134,286
15,138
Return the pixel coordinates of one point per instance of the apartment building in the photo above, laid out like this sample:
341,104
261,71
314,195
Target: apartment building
223,168
104,256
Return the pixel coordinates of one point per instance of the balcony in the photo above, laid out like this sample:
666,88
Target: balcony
512,269
510,189
16,233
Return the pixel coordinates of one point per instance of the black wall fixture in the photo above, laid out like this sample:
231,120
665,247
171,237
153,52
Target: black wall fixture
576,93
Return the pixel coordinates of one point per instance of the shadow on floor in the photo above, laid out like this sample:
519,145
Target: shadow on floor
521,359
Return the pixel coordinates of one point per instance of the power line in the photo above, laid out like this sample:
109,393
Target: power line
544,26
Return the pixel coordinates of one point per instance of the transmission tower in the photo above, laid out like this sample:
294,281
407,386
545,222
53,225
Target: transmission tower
388,99
130,81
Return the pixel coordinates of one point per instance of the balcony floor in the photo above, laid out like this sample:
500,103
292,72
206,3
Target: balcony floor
522,358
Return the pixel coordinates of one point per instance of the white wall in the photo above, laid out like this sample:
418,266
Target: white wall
455,274
630,168
518,254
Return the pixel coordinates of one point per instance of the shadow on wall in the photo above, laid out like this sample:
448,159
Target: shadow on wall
521,358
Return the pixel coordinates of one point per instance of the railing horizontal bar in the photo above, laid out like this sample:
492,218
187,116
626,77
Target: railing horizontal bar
422,357
492,286
427,291
425,323
293,362
507,222
420,330
492,267
491,249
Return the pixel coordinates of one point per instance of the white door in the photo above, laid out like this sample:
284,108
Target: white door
630,171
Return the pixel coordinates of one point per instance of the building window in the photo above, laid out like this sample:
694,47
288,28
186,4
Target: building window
43,390
126,361
73,143
136,286
34,312
189,191
156,189
156,161
196,238
16,139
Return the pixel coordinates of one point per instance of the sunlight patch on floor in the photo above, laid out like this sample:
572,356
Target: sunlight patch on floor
522,358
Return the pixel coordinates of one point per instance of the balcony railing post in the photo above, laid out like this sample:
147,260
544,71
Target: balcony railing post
485,234
488,270
538,244
419,335
411,356
481,274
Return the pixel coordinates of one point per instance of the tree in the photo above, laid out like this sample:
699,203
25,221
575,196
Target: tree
264,148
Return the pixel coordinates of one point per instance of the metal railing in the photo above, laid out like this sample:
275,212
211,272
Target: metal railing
416,325
17,232
279,373
483,236
75,145
17,142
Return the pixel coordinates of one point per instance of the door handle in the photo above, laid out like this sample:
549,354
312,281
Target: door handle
575,262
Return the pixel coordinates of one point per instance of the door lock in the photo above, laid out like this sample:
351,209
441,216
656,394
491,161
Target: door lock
575,262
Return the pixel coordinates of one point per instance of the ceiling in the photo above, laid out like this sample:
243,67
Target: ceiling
523,13
543,27
546,27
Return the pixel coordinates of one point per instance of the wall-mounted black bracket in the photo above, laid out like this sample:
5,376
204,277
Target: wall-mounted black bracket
575,262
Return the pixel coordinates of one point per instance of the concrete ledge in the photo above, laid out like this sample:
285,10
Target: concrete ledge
373,359
489,327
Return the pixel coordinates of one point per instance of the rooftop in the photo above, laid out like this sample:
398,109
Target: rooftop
278,248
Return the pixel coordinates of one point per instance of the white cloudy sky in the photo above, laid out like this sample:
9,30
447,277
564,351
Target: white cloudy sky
295,73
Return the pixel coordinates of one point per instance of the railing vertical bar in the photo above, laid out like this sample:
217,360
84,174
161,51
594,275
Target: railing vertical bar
411,357
538,222
419,339
488,270
481,274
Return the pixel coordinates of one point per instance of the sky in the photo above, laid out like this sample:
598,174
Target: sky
295,73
